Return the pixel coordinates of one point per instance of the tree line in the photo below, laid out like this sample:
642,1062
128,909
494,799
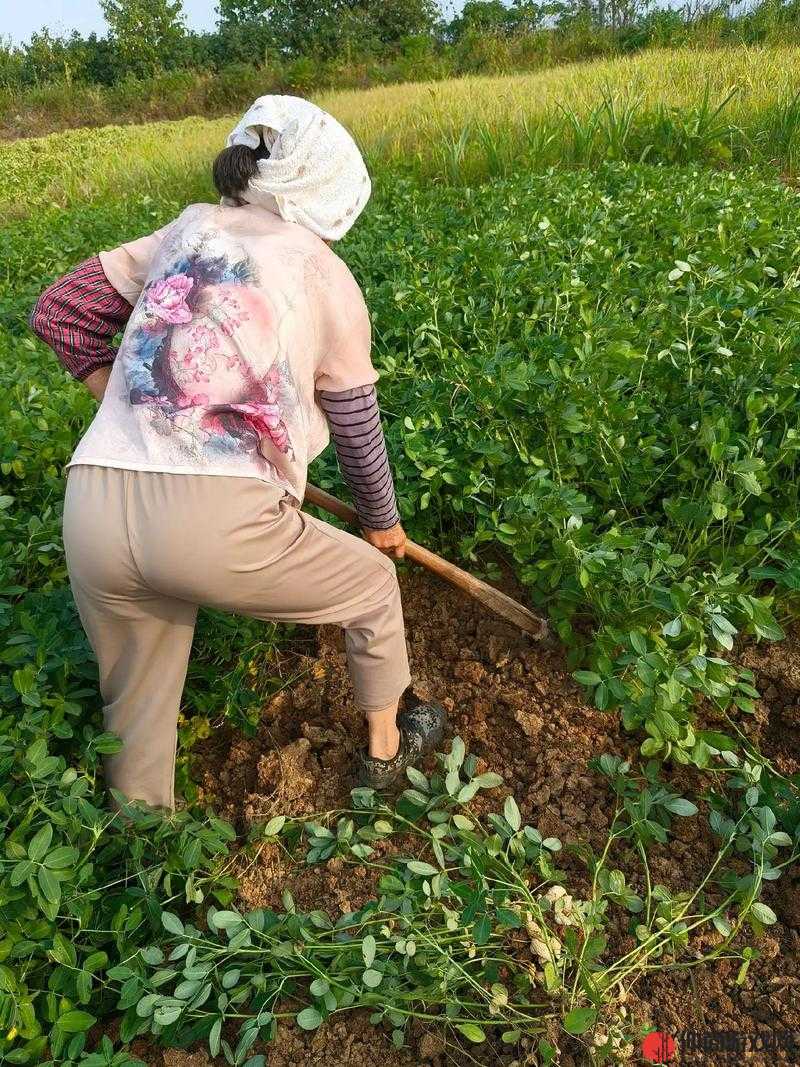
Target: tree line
147,37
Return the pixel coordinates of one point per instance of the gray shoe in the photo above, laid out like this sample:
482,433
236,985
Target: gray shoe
426,718
421,730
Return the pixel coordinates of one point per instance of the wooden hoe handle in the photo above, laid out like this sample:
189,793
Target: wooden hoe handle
487,595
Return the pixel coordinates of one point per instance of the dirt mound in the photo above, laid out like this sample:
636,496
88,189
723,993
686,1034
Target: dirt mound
512,700
518,709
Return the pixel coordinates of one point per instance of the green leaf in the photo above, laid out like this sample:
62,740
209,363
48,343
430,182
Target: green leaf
468,791
225,920
75,1022
579,1020
309,1018
680,806
616,882
63,856
547,1053
40,843
701,756
371,978
418,867
508,918
779,838
587,677
214,1037
417,779
390,883
107,744
718,740
601,695
638,642
95,961
166,1014
764,913
482,930
512,814
49,885
63,951
274,826
488,780
152,954
472,1032
171,923
651,746
457,752
368,947
21,872
722,925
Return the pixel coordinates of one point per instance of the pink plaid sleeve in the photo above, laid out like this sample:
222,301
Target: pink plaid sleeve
78,316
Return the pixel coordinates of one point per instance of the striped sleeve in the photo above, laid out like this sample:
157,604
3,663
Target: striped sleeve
355,424
78,316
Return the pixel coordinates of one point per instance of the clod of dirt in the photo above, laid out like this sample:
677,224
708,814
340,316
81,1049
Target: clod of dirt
778,661
352,1041
431,1046
175,1057
284,773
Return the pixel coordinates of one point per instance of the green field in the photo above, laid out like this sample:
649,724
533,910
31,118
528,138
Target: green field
589,365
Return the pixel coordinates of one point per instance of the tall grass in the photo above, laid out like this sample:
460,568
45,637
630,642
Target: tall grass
672,106
405,121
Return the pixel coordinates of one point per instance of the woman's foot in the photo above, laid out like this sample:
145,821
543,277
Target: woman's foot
421,730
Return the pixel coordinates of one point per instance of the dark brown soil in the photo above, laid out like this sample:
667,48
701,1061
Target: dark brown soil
518,709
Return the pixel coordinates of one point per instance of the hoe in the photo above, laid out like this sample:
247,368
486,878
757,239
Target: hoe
487,595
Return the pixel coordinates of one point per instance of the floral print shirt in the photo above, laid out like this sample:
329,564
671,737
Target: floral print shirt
238,318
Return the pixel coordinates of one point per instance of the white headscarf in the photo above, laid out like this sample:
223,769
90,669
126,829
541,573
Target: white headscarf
315,174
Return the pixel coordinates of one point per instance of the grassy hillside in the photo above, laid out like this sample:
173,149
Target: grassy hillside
656,105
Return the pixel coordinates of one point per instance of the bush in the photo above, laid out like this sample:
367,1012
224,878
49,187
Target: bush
236,86
300,76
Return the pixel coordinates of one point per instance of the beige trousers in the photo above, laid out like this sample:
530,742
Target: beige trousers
145,548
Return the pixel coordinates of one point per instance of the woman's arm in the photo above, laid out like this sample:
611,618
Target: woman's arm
345,387
78,316
354,419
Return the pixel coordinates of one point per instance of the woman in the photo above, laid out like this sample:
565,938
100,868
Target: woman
247,341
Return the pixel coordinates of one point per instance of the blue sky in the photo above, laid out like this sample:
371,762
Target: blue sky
20,18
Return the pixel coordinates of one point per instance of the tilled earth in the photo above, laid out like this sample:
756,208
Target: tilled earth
518,709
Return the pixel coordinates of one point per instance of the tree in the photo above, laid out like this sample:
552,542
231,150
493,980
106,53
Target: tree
481,17
396,19
332,28
145,32
235,12
46,58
